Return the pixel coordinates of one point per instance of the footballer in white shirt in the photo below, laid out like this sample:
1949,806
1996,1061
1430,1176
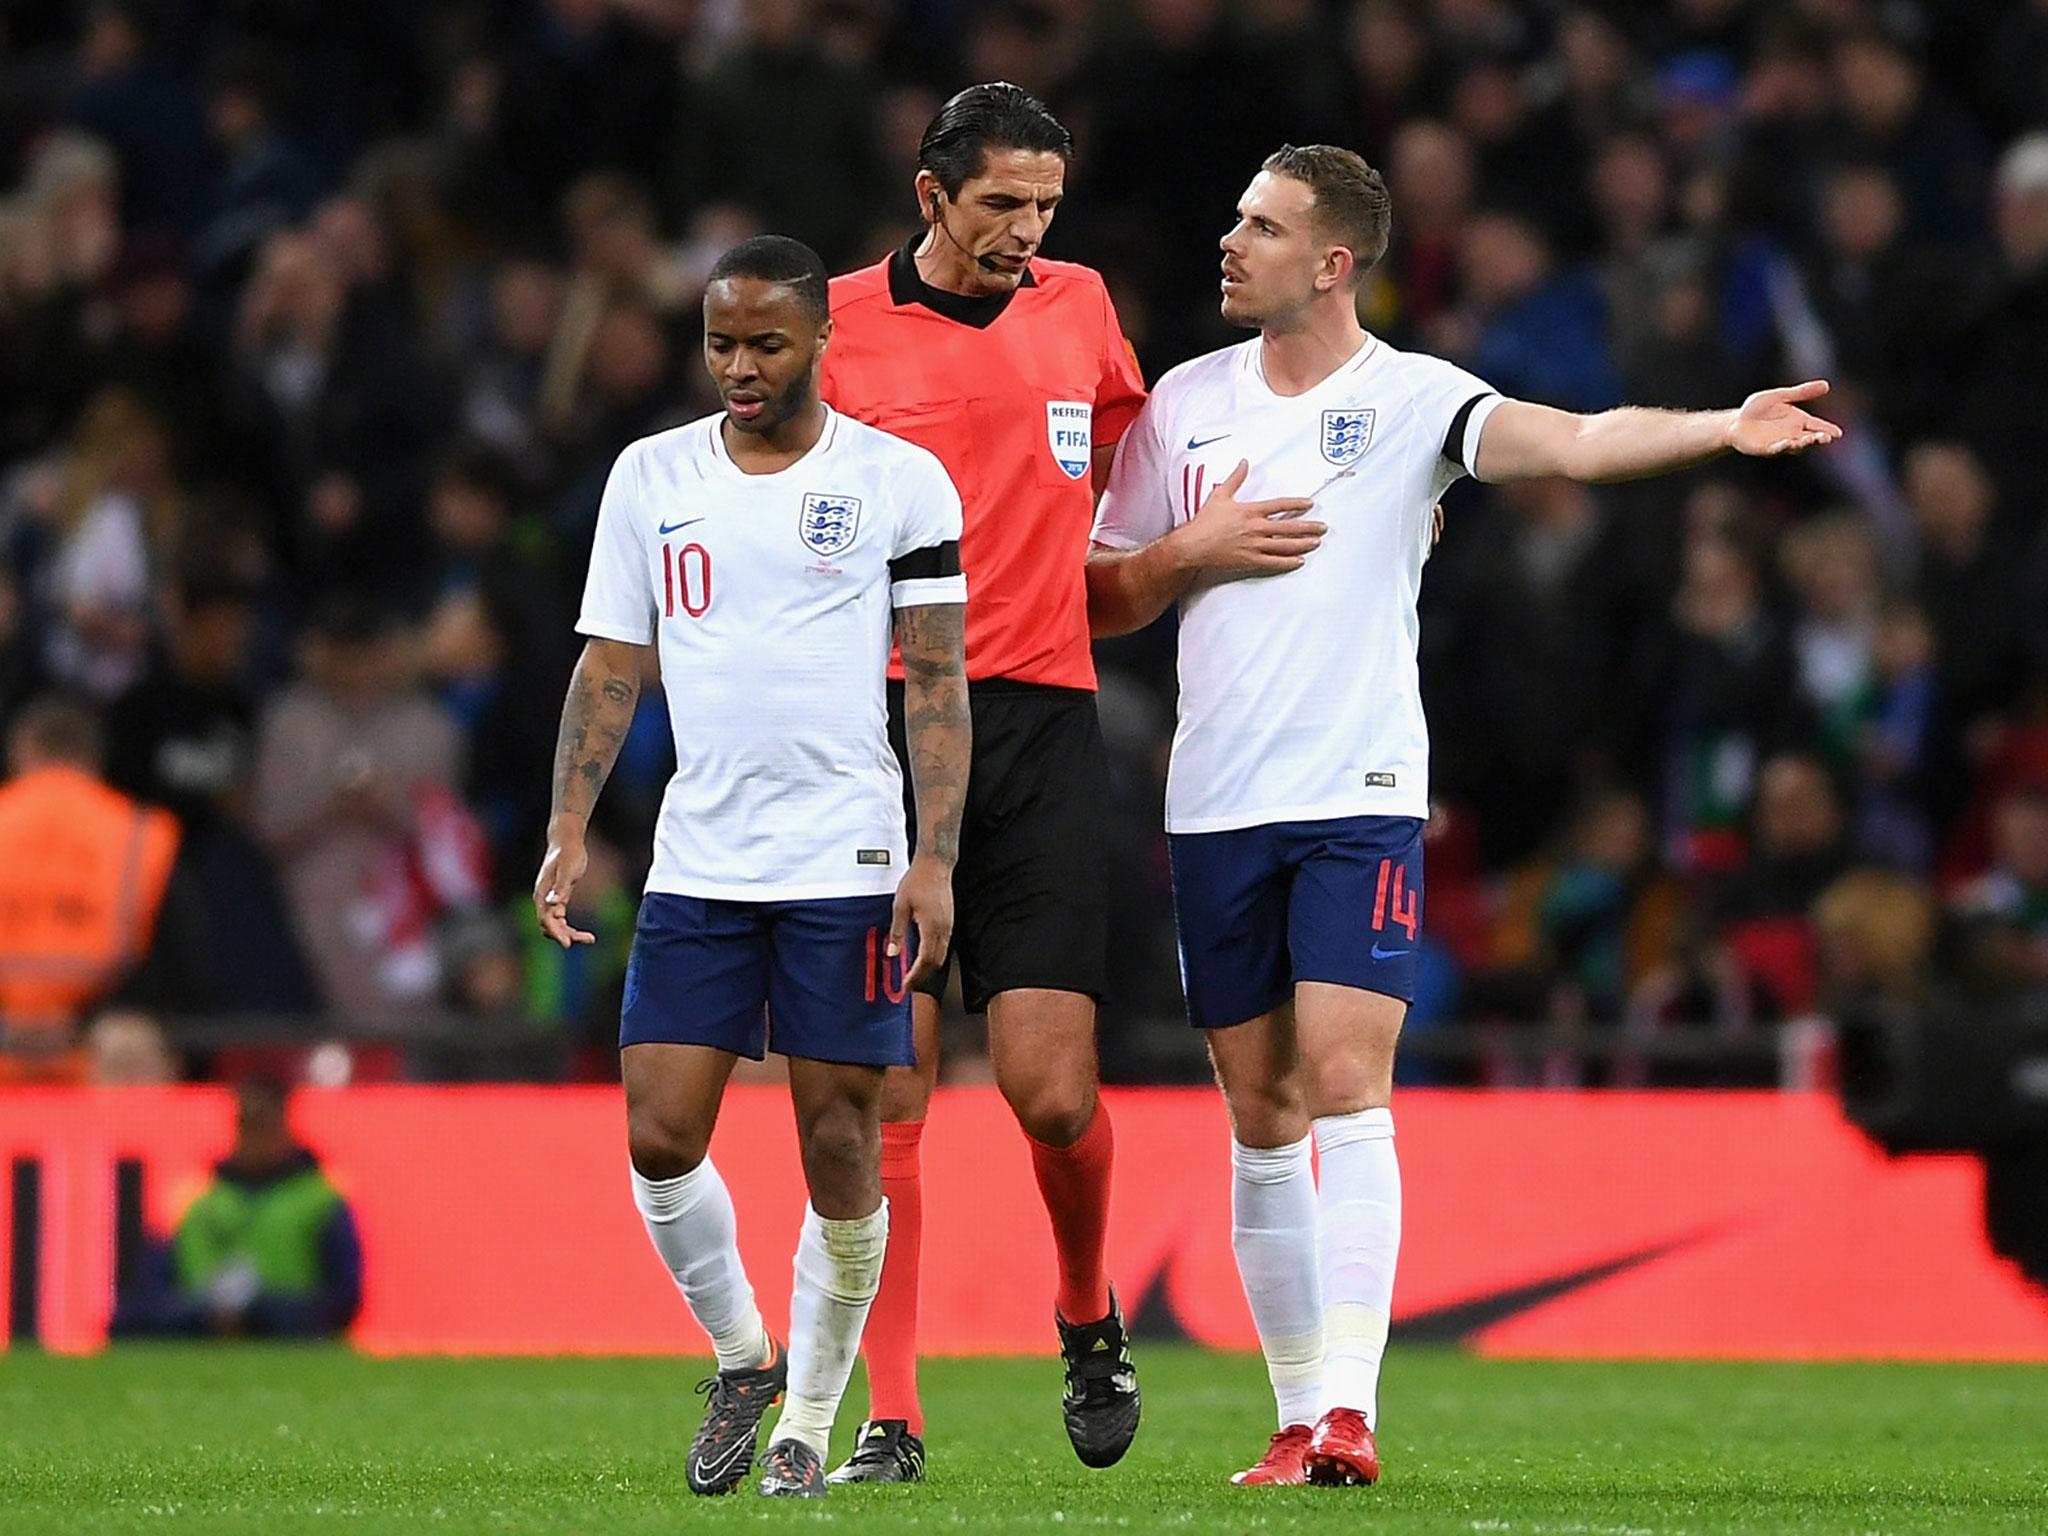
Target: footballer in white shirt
1281,491
769,551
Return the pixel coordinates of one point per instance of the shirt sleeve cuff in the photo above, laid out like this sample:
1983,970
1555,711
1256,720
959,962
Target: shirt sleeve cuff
928,590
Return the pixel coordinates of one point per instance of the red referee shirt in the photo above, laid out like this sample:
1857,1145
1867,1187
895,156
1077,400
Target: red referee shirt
1014,393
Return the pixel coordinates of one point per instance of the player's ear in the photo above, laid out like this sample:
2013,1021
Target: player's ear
928,190
824,334
1338,265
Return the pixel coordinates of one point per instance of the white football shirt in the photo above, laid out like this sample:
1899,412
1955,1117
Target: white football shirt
1299,699
771,597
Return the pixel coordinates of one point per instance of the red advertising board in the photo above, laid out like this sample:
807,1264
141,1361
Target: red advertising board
497,1220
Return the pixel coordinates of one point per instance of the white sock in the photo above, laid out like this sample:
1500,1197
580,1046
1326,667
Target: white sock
1358,1228
691,1220
838,1269
1273,1233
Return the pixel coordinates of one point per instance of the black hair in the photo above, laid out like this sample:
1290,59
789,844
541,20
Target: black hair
998,115
779,259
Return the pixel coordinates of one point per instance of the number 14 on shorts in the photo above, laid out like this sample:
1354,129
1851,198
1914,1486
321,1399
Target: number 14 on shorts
1394,901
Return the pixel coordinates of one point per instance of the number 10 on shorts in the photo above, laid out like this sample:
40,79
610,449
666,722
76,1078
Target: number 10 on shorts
1398,903
880,962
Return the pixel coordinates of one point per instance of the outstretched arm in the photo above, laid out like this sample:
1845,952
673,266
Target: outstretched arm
603,693
1224,540
940,734
1522,441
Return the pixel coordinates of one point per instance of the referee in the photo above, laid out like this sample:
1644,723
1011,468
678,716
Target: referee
1014,372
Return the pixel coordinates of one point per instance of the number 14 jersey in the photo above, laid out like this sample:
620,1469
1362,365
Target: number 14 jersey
1299,698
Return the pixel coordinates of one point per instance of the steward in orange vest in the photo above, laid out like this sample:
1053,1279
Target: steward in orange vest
87,867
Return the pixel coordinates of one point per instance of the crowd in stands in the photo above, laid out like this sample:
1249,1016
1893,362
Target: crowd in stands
321,324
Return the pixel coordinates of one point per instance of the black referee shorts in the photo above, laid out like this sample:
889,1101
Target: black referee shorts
1030,899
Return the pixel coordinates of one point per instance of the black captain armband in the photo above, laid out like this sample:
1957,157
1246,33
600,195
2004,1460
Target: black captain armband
927,564
1454,439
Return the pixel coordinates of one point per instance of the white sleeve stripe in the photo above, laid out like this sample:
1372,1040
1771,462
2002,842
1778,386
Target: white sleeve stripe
928,590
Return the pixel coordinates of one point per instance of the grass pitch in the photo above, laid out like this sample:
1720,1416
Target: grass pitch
235,1440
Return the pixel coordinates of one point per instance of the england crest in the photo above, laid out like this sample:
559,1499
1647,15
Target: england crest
827,524
1346,435
1069,428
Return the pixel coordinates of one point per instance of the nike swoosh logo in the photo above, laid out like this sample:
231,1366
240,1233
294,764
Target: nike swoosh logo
1460,1320
711,1472
1387,954
1203,442
668,528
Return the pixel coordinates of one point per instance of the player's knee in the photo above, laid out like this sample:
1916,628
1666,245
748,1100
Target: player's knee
1349,1083
1052,1108
1273,1114
841,1148
662,1149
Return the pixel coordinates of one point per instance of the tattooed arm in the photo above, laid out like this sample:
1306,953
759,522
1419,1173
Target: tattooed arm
936,722
603,693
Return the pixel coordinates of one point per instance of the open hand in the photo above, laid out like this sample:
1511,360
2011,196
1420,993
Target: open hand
1771,422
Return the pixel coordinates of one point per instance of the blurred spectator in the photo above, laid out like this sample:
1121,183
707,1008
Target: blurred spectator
333,411
130,97
1541,332
356,769
262,183
1581,930
90,870
1831,565
1538,645
484,992
492,645
2001,355
1729,683
810,167
1894,745
1888,114
1430,180
129,1049
184,737
2004,914
117,521
588,87
500,389
158,354
268,1250
1877,933
1763,910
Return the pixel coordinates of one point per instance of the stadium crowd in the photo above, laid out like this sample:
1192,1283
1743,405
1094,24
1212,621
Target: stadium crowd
321,325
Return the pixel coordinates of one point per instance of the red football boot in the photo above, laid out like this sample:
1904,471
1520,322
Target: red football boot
1342,1452
1281,1465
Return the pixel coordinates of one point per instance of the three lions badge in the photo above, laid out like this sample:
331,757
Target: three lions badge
1346,435
827,523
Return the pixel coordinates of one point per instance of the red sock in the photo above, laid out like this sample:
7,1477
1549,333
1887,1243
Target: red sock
1075,1183
890,1343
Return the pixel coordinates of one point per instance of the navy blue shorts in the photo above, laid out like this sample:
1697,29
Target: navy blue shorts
1260,908
805,978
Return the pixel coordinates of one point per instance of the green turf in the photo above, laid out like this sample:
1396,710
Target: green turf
233,1440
